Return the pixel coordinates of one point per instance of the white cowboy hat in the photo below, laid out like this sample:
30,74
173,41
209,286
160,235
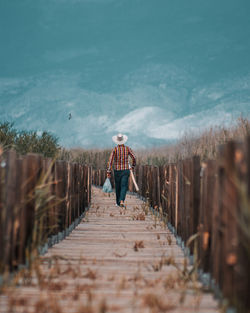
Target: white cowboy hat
120,139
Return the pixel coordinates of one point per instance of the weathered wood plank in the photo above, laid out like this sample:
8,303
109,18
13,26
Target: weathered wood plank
114,261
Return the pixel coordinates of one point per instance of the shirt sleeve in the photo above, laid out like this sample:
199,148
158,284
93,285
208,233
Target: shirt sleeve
132,155
111,160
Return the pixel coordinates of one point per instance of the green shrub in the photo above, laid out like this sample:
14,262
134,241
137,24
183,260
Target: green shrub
7,135
28,141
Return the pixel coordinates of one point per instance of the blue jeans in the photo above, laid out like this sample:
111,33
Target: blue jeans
121,184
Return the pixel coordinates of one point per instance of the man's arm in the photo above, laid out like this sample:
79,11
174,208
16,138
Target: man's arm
132,155
110,163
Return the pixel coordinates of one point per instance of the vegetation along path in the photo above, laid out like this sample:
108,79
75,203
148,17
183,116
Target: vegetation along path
116,260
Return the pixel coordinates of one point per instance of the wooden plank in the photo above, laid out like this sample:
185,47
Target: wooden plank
109,268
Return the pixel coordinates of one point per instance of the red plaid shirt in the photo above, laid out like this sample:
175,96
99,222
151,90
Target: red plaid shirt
120,154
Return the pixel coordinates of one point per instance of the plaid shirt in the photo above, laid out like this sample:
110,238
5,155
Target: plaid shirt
120,155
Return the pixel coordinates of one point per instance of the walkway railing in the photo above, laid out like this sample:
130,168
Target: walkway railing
210,199
40,203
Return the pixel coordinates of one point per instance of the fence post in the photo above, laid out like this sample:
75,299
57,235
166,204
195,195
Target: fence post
165,195
23,211
68,218
47,170
196,192
89,185
206,212
180,196
33,173
17,222
172,193
216,229
2,210
158,188
60,193
242,268
9,204
186,203
177,191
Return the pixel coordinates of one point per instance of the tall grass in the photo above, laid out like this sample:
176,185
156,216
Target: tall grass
28,141
97,158
205,144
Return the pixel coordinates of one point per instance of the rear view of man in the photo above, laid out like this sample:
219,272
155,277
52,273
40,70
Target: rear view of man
120,157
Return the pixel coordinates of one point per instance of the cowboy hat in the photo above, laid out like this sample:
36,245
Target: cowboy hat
120,139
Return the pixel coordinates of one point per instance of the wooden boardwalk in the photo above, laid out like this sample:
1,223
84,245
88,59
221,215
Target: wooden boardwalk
116,260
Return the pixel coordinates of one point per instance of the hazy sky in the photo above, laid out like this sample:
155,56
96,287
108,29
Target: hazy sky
149,68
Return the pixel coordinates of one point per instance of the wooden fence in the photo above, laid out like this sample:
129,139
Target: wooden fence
211,199
39,199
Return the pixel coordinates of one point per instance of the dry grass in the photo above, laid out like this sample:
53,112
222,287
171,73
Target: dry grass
205,144
56,286
70,271
90,274
145,207
97,158
43,275
85,309
169,239
156,303
45,305
103,307
138,245
18,301
139,217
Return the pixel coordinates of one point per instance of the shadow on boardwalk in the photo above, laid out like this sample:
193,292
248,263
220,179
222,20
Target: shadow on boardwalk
116,260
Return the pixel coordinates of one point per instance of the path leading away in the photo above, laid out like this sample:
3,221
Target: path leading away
116,260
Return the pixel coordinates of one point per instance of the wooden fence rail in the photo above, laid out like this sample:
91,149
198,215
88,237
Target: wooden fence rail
211,199
39,199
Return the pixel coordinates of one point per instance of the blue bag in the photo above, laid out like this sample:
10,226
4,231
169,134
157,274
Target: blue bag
107,186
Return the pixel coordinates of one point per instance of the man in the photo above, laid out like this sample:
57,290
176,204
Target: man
120,156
